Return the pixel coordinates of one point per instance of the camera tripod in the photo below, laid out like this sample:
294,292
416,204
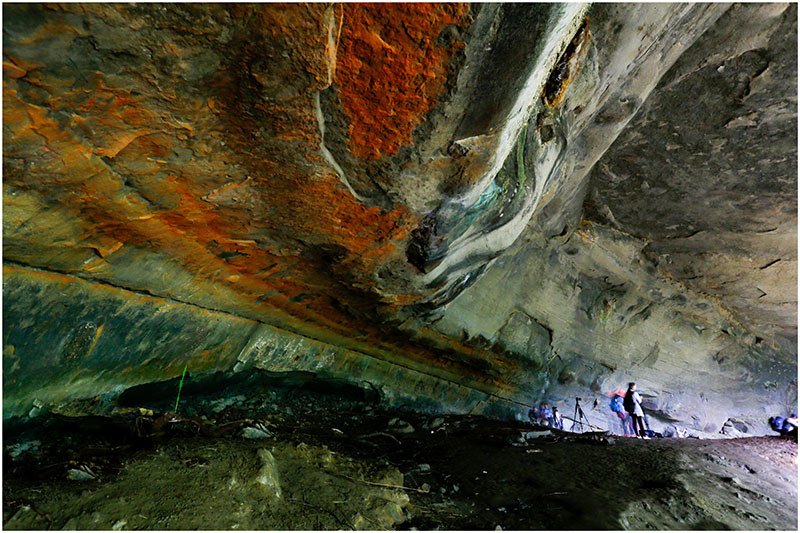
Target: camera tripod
579,417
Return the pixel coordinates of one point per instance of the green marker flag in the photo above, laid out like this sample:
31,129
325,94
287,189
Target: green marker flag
180,386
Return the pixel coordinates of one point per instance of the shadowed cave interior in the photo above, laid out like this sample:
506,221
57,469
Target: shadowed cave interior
309,266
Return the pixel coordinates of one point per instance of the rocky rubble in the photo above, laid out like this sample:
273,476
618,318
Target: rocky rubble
330,463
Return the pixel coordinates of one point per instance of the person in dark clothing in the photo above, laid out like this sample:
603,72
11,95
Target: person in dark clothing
557,422
633,405
533,415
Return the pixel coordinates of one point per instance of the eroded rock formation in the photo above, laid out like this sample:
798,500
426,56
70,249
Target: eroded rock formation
467,207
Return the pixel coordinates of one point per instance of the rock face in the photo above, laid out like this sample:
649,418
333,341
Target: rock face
469,207
712,158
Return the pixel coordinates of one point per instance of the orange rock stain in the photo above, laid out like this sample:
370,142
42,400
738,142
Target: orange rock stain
390,70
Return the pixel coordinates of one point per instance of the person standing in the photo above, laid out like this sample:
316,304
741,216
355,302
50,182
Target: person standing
545,415
533,415
557,421
617,406
633,405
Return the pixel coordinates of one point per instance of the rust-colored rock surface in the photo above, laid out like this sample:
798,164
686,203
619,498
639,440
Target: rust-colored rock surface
391,68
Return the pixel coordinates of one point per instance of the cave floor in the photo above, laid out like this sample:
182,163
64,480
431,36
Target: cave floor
336,464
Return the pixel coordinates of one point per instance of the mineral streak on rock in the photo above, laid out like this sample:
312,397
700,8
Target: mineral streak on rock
566,68
492,200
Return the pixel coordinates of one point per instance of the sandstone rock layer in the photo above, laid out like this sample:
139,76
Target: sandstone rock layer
466,206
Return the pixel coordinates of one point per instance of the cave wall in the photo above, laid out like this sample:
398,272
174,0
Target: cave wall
690,208
395,194
72,347
707,171
589,314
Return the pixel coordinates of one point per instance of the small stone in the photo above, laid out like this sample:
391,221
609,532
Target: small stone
360,523
255,433
392,477
18,449
268,475
498,528
425,488
74,474
530,435
392,514
119,525
400,426
424,467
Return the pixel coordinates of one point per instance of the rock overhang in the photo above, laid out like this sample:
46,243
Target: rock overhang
345,173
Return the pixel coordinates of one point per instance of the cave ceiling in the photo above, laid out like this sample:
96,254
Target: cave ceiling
352,174
706,173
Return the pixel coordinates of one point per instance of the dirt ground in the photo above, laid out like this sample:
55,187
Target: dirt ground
301,460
